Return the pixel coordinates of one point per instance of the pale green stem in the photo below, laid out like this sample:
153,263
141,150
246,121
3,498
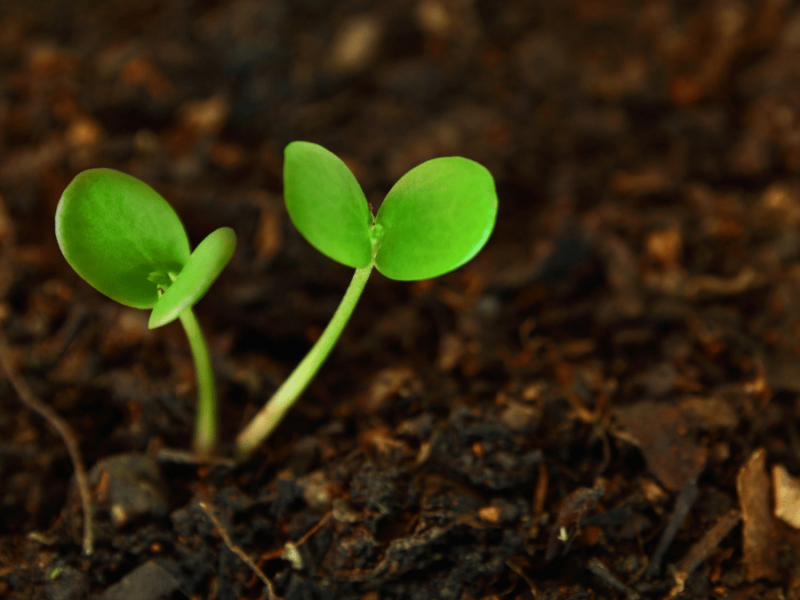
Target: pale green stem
205,428
273,411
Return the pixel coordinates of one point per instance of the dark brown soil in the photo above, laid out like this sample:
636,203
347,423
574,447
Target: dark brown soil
603,404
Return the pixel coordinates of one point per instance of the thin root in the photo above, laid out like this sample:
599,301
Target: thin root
30,399
238,551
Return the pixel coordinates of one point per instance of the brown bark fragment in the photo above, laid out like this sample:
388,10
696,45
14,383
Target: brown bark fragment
759,534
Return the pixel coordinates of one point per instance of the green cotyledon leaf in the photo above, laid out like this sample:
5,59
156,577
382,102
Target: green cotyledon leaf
201,270
326,204
116,231
435,218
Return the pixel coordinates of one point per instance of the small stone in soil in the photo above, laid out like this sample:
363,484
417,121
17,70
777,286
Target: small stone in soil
129,486
149,581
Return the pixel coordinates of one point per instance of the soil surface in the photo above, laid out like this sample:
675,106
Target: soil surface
603,404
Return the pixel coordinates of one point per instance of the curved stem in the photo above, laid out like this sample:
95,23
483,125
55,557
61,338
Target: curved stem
205,428
273,411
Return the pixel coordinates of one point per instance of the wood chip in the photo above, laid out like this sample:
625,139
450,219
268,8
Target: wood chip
787,496
759,532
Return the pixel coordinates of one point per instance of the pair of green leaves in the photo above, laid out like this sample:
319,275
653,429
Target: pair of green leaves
434,219
124,239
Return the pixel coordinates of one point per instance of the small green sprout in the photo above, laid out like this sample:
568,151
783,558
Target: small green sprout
125,240
435,219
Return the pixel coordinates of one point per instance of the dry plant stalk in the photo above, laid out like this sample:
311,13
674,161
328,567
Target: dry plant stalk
30,399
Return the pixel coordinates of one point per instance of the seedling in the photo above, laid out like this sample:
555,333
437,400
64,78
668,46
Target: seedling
125,240
435,219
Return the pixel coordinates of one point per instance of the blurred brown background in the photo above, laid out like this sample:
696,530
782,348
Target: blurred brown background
632,325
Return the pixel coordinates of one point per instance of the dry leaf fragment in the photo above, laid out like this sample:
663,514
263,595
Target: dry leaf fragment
660,430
